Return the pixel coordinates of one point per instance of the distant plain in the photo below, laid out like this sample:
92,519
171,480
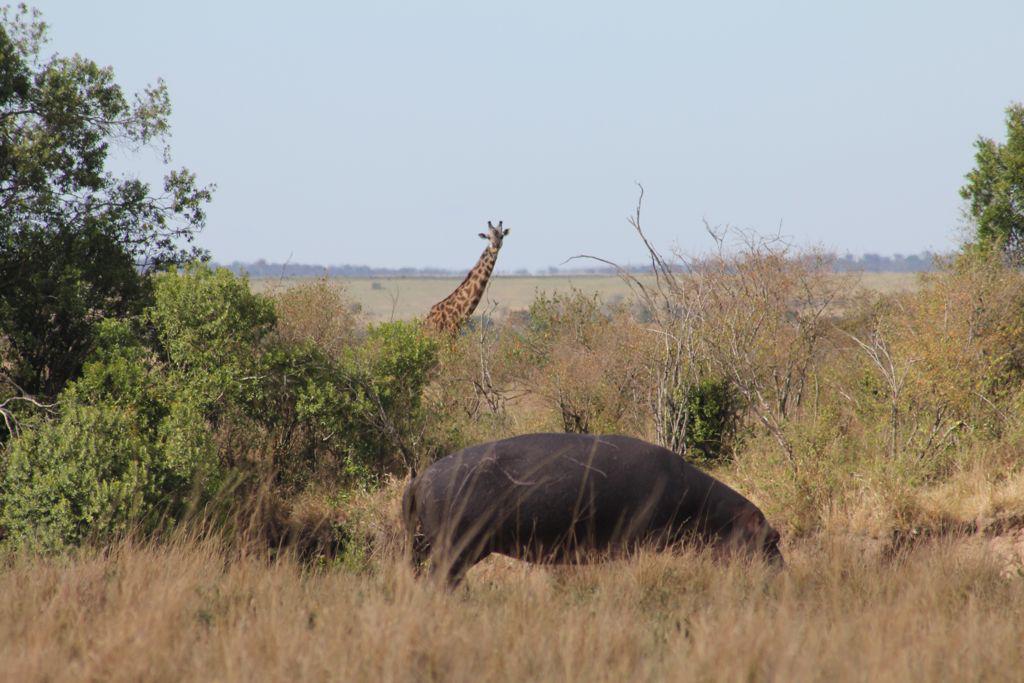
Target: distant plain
403,298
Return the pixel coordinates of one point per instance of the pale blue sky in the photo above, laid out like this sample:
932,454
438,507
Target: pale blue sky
387,133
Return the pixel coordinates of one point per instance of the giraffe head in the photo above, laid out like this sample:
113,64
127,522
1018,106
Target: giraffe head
495,235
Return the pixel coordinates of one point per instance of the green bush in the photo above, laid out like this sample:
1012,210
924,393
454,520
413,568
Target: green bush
197,389
209,326
92,473
98,471
130,447
573,315
712,417
384,380
122,372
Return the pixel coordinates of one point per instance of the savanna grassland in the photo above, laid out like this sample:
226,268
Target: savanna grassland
200,475
878,430
402,298
189,610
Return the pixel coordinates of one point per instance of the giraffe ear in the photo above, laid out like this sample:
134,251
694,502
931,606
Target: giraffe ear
483,236
507,231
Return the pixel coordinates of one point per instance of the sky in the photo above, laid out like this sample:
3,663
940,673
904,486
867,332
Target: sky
388,133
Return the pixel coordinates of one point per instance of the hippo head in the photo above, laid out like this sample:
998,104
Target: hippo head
770,547
751,532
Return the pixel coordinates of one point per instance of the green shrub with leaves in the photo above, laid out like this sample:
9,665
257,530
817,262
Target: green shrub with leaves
122,371
199,389
712,417
384,380
209,327
93,473
129,449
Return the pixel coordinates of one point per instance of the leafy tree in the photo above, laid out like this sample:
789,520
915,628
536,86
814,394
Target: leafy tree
995,187
75,239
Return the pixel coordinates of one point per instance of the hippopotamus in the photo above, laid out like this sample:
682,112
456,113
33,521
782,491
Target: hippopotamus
556,498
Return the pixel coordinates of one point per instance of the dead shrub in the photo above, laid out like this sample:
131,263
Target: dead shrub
589,364
946,361
478,382
317,312
752,314
761,324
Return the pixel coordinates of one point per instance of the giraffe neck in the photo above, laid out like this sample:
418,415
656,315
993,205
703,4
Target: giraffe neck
469,293
451,313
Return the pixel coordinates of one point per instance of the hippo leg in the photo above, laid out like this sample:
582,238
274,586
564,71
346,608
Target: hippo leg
419,547
454,569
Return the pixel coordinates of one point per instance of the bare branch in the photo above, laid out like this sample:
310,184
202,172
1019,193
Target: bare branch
10,419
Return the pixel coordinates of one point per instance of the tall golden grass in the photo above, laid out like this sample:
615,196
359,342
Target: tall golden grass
894,471
190,610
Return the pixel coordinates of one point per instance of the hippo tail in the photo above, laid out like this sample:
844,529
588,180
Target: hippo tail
417,547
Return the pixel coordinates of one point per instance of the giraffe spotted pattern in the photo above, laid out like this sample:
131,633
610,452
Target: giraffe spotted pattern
451,313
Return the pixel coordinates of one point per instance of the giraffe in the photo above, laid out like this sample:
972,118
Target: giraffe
452,312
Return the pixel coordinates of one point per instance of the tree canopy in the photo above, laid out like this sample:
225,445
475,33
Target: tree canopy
76,239
995,187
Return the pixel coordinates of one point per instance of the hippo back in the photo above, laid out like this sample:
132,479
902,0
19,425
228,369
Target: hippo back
553,496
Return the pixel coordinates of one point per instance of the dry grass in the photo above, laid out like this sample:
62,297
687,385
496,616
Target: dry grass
406,298
946,611
905,562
